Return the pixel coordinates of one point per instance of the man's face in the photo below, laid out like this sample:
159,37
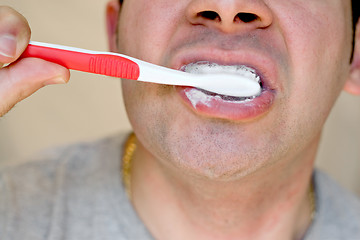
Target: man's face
300,49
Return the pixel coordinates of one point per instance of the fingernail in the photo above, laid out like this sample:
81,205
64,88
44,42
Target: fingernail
8,45
56,80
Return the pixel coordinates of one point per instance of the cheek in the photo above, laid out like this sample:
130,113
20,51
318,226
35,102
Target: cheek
319,49
153,119
146,108
315,39
144,29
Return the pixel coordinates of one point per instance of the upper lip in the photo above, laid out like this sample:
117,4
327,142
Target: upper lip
263,64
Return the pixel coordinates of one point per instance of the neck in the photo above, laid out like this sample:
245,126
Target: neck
272,203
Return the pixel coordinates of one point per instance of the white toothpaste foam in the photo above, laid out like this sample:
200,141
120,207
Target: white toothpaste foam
197,97
214,68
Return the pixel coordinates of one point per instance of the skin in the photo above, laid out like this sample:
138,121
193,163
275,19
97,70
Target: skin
297,83
188,165
210,157
21,78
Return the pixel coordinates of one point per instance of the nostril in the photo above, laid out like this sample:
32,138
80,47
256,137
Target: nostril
245,17
211,15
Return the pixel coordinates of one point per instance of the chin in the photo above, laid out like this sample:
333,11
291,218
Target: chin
215,158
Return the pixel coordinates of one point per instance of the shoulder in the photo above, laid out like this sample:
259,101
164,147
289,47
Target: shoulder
338,210
77,151
34,196
78,157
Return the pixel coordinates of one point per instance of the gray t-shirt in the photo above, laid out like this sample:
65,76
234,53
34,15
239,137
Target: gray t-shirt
76,192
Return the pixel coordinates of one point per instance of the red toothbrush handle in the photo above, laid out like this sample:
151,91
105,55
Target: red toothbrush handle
109,65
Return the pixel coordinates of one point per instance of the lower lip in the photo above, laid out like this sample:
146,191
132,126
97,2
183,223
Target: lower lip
216,107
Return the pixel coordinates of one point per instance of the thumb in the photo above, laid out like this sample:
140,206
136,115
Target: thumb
24,77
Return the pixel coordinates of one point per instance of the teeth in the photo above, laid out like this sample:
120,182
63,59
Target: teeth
208,68
224,97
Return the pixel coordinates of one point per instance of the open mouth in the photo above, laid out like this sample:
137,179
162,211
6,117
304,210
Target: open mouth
205,67
235,108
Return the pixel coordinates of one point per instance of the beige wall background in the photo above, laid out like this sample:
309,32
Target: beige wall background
91,106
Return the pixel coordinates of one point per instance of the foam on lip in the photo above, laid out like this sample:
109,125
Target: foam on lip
199,97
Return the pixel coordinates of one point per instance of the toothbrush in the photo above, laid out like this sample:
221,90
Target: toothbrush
122,66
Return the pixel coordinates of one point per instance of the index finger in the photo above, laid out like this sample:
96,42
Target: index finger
14,34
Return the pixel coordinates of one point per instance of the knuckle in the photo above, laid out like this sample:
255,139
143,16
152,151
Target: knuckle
21,94
5,108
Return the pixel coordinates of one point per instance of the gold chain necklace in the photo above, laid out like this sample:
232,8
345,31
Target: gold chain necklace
129,151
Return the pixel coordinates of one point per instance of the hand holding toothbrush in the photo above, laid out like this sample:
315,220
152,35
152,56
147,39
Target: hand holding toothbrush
26,75
21,78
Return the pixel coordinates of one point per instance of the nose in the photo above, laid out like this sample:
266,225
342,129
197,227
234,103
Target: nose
230,16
